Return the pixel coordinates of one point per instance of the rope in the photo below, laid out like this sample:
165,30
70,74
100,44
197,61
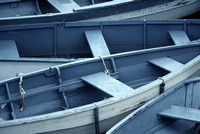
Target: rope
21,91
106,70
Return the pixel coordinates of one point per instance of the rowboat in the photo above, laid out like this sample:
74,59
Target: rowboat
37,11
92,39
92,95
175,111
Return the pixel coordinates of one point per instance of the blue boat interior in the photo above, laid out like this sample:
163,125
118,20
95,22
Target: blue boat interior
78,84
86,40
175,111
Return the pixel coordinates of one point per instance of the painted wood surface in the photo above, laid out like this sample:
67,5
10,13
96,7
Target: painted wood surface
110,109
10,69
108,84
64,6
179,37
184,113
8,49
83,116
121,10
97,43
167,63
170,112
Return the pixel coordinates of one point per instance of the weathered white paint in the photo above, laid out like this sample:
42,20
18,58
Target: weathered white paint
172,10
81,118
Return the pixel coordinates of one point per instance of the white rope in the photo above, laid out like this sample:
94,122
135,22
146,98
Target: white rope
21,91
106,70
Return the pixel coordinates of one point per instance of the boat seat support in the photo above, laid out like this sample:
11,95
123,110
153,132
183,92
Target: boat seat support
184,113
179,37
166,63
64,6
97,43
8,49
107,84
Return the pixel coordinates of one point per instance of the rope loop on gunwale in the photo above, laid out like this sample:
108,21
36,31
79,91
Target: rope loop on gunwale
22,91
106,70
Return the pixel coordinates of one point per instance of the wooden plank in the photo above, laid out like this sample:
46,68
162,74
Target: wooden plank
166,63
195,42
177,112
64,6
107,84
97,43
8,49
103,4
179,37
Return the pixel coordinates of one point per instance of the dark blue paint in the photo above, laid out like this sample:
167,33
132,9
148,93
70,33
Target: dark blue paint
68,39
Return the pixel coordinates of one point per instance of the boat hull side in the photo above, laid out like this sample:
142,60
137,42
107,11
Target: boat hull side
109,108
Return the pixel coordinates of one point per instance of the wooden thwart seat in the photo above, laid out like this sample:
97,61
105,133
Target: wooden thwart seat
97,43
177,112
166,63
64,6
179,37
8,49
107,84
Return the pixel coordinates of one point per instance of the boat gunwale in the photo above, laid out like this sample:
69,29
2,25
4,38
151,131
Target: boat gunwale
45,60
94,23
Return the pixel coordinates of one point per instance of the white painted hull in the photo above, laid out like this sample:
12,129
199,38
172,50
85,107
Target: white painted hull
81,119
171,10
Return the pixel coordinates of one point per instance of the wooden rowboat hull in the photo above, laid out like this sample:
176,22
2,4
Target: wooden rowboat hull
76,40
167,113
56,10
129,68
